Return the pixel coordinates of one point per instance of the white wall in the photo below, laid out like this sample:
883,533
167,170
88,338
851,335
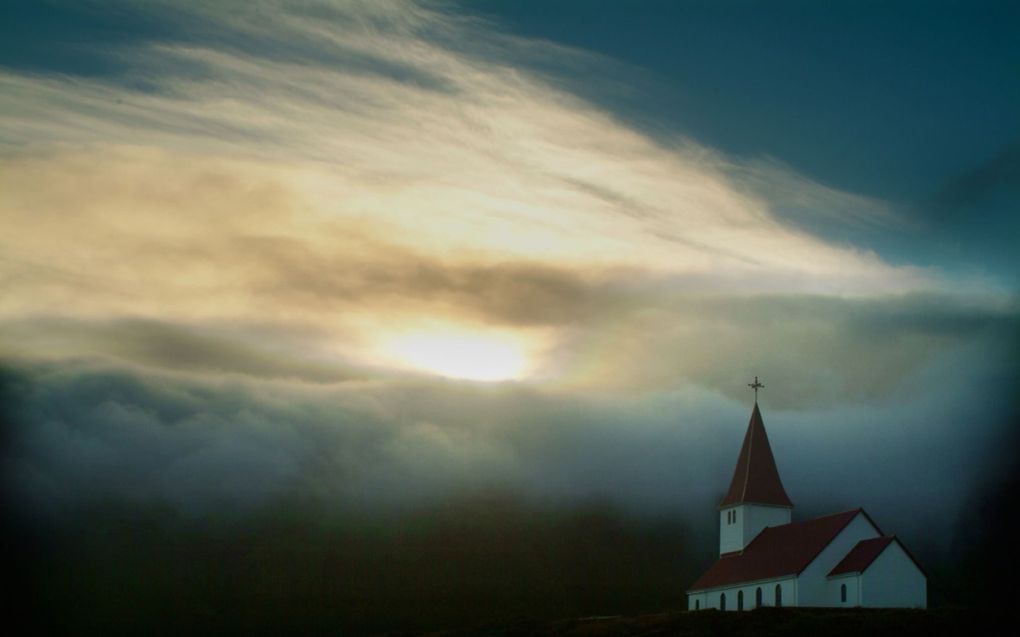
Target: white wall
813,587
756,517
853,590
750,520
712,599
696,601
730,536
894,581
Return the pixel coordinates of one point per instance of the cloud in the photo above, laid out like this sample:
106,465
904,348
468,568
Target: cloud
821,351
81,433
254,351
488,158
278,200
608,334
998,175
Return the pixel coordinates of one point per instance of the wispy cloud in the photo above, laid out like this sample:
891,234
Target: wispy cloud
342,169
401,117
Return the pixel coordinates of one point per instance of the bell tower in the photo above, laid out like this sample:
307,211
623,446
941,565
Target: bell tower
756,497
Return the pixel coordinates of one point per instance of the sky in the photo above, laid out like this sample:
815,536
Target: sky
373,258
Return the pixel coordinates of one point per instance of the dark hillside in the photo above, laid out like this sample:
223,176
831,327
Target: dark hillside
787,622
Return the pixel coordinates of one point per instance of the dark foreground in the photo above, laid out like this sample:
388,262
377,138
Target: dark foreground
763,622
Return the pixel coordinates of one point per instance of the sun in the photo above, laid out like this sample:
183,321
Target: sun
478,355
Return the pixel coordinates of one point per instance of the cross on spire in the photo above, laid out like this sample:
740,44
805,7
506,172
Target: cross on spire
755,386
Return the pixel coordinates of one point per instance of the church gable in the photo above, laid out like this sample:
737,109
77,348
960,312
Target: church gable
893,580
813,588
878,573
866,552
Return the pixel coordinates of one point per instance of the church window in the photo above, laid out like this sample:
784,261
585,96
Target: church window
757,598
740,600
842,593
722,602
779,595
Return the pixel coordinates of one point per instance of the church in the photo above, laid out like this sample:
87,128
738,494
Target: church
766,559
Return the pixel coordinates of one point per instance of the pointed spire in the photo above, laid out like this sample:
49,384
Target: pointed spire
756,478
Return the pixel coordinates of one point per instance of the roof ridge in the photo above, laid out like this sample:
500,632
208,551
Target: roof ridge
845,524
815,519
782,550
862,554
750,448
844,512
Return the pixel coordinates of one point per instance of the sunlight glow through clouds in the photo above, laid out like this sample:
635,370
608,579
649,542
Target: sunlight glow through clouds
487,356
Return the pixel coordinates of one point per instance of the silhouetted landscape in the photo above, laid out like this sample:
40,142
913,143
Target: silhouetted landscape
766,621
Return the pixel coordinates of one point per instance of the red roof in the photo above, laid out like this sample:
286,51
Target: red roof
862,555
865,552
756,478
777,551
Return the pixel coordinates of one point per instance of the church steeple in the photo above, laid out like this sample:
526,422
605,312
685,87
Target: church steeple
756,478
756,498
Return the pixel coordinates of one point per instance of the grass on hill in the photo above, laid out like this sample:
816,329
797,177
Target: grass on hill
787,622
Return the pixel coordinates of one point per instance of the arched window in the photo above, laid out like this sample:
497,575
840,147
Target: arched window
757,598
779,595
842,593
722,602
697,604
740,600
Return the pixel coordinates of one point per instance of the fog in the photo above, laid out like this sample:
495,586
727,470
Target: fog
136,495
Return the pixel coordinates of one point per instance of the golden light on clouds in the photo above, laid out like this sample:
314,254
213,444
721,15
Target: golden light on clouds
394,200
480,355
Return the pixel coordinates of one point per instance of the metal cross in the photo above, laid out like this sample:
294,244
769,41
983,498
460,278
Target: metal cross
755,386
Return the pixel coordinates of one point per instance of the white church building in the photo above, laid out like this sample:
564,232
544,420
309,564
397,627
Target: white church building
766,559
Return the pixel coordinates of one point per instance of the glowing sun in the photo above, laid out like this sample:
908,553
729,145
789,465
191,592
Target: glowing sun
456,353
